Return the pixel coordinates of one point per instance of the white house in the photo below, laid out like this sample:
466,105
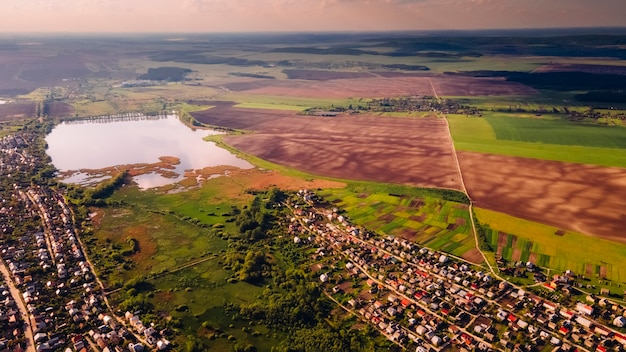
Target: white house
620,322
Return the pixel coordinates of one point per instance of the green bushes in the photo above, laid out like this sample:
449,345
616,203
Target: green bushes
106,188
482,232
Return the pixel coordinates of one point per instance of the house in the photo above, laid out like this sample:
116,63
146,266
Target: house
501,315
549,306
584,322
584,308
554,341
40,337
135,347
512,318
566,314
620,338
420,330
601,330
522,324
163,344
324,278
620,322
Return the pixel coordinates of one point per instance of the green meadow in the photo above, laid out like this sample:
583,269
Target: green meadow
552,131
182,239
537,138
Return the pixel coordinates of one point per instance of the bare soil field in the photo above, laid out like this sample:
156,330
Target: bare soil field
398,84
224,114
360,147
17,111
58,109
583,198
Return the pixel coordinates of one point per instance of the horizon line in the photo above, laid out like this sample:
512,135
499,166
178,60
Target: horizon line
382,31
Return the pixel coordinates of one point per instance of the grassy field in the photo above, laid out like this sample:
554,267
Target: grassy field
407,212
165,240
202,288
181,257
551,131
479,135
524,240
7,128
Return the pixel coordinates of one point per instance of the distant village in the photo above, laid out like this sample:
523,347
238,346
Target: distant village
407,104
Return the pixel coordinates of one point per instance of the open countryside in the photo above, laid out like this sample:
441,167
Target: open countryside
399,192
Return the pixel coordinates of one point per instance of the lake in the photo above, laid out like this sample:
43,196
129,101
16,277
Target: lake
105,142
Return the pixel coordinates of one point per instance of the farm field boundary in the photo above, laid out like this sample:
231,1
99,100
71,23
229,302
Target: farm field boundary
476,134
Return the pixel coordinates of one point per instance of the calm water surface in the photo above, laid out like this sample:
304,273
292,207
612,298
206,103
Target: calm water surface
101,143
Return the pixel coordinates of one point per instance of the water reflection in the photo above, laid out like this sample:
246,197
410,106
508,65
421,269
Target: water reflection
93,144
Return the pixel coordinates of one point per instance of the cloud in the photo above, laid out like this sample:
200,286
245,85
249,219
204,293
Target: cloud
297,15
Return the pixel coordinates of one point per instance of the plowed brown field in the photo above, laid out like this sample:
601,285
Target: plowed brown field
361,147
383,85
17,111
584,198
58,109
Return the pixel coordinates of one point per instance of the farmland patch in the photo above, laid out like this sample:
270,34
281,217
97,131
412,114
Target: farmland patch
574,197
326,85
517,239
557,132
392,215
477,135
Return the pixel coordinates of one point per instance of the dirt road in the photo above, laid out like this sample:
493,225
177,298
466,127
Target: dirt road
30,347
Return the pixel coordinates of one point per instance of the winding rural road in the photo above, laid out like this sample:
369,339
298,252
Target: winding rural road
494,272
433,87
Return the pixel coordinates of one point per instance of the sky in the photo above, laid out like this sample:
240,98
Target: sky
99,16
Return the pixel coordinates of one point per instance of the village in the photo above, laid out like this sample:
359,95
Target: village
427,301
51,298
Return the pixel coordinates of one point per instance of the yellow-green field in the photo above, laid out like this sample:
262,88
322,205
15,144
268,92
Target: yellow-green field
585,255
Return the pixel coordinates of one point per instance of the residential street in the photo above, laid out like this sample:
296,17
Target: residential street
17,297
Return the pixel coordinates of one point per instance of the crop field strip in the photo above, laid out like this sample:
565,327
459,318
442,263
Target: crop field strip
398,216
552,247
477,135
548,131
